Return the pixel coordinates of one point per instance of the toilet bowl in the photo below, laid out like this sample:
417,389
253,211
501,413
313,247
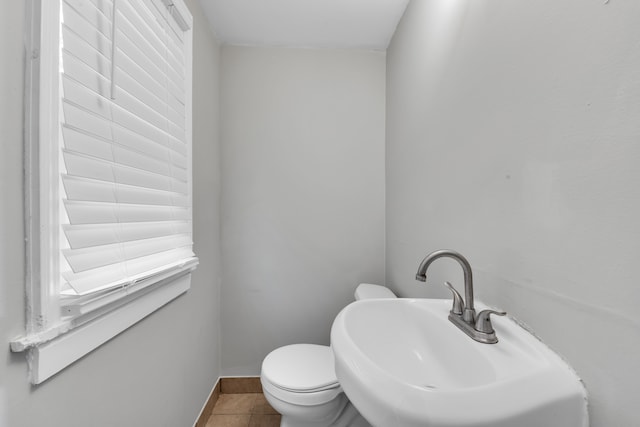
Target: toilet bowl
300,383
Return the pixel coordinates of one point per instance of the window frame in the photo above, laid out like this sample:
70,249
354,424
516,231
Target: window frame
52,341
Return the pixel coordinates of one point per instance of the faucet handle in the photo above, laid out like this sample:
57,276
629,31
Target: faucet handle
458,303
483,322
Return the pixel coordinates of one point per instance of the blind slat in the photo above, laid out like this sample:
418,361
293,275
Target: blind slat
88,212
94,190
80,165
87,235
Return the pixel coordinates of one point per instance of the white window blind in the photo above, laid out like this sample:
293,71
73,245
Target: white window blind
124,164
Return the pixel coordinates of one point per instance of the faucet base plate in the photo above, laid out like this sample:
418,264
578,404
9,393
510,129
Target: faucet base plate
470,330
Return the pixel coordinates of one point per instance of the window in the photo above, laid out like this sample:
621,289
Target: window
108,173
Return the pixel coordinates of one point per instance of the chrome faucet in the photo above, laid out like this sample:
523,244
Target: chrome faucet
463,314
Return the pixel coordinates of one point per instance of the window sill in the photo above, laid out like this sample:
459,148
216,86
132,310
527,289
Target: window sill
53,350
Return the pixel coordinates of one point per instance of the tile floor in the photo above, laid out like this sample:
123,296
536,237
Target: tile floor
243,410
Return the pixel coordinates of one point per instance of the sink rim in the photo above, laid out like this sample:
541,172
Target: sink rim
440,315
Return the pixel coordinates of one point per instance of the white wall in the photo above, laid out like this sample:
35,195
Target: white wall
303,193
159,372
513,136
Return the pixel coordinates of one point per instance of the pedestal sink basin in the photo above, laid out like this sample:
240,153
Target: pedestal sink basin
403,364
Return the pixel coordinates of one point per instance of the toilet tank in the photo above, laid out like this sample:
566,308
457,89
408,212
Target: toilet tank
369,291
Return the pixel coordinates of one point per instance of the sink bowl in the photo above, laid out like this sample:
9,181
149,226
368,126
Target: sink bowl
402,363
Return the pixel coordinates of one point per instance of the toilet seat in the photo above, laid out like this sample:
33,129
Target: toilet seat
302,374
313,398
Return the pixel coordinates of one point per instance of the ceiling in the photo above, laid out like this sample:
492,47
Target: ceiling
344,24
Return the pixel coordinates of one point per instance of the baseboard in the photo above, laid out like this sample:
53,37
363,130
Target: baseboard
207,409
234,385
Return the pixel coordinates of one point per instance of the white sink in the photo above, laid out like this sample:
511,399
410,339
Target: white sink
403,364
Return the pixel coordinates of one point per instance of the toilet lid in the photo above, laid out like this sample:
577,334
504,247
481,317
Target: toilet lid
301,368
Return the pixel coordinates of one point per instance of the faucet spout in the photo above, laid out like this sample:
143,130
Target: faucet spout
469,311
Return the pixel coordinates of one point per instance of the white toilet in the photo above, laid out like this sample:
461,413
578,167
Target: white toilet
300,383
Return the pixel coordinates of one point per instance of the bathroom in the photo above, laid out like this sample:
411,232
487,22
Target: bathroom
506,131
